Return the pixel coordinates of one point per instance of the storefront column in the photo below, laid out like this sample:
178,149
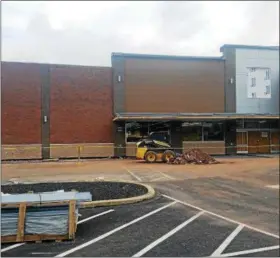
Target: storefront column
230,137
119,139
176,136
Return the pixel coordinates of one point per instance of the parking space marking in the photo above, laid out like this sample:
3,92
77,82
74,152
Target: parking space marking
157,179
11,247
79,222
147,174
222,217
42,253
251,251
92,241
273,186
133,175
165,175
227,241
95,216
167,235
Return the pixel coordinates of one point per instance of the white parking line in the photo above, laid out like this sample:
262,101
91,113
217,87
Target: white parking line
227,241
113,231
95,216
157,179
273,186
79,222
251,251
11,247
133,175
167,235
221,217
165,175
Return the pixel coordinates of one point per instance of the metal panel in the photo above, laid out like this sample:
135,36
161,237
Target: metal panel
118,84
229,80
45,110
164,85
256,58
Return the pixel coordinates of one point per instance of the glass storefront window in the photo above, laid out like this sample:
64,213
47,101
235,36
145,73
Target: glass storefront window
160,131
275,124
213,131
192,131
240,124
136,131
264,124
251,124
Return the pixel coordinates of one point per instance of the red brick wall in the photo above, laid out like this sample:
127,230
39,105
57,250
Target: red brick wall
21,103
81,104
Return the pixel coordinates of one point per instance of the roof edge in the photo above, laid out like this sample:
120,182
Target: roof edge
248,47
169,57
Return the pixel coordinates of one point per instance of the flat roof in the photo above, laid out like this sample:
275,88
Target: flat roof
248,47
53,64
167,57
189,116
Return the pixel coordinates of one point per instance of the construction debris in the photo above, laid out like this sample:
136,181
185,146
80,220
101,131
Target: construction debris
195,156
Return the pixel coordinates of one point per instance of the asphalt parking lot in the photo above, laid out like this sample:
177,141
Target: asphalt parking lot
161,227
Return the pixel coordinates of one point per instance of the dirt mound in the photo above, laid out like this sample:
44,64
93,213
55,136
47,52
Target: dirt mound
195,156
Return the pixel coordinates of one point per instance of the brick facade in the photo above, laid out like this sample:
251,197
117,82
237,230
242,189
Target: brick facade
81,104
20,103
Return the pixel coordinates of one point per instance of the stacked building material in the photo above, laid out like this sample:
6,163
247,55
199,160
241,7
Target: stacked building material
195,156
46,213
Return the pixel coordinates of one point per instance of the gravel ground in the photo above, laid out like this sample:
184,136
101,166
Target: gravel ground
99,190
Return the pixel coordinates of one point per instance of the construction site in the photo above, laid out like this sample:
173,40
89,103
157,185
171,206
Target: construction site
143,158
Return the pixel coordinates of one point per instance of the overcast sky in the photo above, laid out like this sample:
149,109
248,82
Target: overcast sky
86,33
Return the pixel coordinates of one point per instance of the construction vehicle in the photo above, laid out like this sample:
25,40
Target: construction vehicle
152,150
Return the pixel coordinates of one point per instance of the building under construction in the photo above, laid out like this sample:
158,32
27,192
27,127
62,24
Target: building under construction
223,105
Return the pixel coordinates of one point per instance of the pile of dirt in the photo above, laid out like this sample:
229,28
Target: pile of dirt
195,156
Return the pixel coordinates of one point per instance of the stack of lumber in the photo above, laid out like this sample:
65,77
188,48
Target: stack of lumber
40,216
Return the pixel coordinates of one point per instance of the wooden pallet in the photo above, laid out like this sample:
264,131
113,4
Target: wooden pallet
21,237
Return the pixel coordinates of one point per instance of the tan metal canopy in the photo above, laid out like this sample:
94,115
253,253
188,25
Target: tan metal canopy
189,116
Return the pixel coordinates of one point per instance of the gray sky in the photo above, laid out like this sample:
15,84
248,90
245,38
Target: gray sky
86,33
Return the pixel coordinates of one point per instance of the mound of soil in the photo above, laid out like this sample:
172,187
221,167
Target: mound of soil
195,156
99,190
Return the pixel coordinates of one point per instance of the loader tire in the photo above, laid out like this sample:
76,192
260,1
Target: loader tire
150,157
167,155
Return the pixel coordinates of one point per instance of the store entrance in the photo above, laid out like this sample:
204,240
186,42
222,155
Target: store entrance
258,142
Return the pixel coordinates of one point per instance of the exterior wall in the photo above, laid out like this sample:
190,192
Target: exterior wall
85,150
21,151
210,147
130,150
55,104
21,103
168,85
256,58
81,105
172,85
229,80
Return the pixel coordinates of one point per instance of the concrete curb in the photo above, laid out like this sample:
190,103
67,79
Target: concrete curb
113,202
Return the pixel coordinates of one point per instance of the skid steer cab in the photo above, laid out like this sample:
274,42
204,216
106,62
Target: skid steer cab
152,151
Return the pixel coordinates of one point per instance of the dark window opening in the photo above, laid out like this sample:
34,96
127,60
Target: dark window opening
192,131
213,131
136,131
